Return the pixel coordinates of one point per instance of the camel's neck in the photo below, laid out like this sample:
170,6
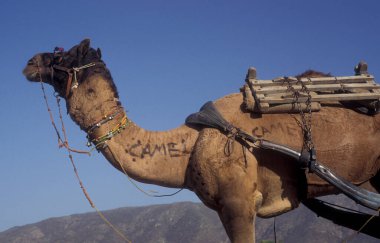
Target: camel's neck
159,158
92,100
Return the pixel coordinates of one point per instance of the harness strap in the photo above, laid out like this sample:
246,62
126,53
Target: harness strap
210,117
68,86
72,72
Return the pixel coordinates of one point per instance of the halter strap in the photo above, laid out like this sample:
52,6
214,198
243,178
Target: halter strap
73,72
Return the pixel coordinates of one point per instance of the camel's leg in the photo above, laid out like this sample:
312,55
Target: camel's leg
238,220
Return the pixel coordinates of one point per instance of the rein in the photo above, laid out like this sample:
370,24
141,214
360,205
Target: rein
97,141
64,143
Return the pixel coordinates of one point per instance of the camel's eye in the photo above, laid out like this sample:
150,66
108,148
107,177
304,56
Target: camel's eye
47,61
58,59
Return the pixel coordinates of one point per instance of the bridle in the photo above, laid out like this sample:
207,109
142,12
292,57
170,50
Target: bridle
95,135
65,143
72,80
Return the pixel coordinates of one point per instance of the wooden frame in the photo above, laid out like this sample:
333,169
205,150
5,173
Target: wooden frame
273,96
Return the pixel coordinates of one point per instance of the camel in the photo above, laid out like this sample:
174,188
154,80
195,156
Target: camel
238,185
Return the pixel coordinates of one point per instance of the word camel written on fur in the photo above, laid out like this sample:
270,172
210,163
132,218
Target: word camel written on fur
285,128
140,150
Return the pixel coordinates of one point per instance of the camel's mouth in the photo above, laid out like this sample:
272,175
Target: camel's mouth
31,71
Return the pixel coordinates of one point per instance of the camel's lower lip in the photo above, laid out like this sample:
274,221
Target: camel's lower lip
31,75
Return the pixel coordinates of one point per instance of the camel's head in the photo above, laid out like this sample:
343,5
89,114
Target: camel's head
55,68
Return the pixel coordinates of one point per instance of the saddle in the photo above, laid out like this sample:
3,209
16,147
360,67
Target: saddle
299,95
308,94
209,116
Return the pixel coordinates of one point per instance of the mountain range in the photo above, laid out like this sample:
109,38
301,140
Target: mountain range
181,223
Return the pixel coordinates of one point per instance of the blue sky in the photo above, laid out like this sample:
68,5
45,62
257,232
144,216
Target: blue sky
167,59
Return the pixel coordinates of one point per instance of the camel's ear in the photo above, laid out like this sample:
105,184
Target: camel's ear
84,46
99,53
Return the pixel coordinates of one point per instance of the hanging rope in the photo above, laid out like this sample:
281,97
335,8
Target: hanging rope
274,230
64,143
353,235
305,124
135,184
305,118
99,141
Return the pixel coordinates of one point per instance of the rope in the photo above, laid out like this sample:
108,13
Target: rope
65,143
135,184
76,70
305,125
229,146
350,237
274,230
338,206
305,118
101,142
69,150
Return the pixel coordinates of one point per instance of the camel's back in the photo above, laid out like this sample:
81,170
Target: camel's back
346,141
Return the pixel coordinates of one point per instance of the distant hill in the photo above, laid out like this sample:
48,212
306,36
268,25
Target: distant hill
177,223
